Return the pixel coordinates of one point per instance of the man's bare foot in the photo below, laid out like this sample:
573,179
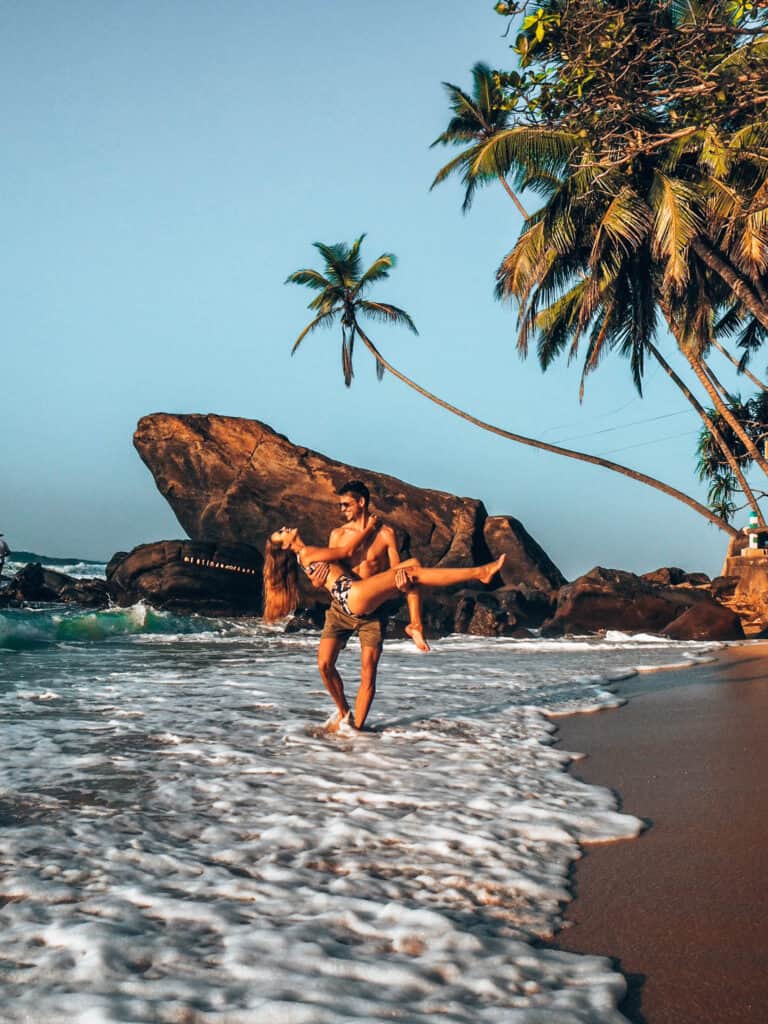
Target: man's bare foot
416,633
334,722
487,572
347,723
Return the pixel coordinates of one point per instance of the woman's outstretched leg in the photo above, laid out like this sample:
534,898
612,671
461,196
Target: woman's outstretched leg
447,577
366,595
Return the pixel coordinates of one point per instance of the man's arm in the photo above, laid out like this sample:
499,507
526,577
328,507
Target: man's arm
345,549
388,535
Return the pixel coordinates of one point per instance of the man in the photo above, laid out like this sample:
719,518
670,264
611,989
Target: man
375,554
4,552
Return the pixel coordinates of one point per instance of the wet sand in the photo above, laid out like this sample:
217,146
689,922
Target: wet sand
683,909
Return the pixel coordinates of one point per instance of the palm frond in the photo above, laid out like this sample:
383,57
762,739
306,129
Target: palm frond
750,339
556,324
377,271
523,151
311,278
463,161
464,106
676,222
335,257
386,313
353,264
324,320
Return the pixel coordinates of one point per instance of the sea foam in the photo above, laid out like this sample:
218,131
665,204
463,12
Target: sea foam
181,843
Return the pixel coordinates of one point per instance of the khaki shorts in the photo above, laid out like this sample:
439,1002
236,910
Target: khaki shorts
340,626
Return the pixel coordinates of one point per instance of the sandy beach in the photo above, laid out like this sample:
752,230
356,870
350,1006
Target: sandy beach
681,909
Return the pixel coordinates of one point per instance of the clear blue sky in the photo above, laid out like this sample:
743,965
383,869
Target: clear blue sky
167,164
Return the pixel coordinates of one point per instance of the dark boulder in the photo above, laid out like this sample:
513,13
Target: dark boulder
527,564
611,599
34,584
723,587
706,620
671,576
185,577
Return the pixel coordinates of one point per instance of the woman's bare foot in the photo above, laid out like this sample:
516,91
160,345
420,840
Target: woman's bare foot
416,633
487,572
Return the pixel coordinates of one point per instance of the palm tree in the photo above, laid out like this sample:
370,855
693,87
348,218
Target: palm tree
476,119
340,297
596,262
723,484
339,300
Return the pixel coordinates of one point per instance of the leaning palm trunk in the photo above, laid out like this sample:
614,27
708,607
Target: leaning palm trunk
749,445
735,362
741,288
728,455
595,460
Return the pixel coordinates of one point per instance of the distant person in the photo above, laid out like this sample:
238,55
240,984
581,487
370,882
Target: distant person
4,552
286,552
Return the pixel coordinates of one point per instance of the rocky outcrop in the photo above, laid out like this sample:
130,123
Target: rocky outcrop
611,599
33,583
185,577
747,575
671,576
527,563
706,620
233,481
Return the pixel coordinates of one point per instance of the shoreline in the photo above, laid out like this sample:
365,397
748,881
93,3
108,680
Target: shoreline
679,909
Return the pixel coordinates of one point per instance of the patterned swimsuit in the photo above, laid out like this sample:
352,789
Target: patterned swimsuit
340,587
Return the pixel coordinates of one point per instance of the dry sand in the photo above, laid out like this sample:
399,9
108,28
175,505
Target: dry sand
683,909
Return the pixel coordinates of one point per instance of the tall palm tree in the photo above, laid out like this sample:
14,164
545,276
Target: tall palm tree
339,300
476,119
596,262
723,484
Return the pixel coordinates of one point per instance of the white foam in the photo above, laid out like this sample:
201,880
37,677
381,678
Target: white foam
183,841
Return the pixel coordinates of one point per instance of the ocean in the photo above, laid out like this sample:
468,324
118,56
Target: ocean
181,843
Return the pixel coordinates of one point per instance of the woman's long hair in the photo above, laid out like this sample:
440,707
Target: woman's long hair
281,582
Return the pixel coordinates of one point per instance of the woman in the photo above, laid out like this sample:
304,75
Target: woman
286,552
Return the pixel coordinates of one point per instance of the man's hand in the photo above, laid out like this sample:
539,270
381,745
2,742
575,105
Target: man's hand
319,575
403,581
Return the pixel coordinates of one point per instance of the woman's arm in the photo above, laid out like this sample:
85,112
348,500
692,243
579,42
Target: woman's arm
343,551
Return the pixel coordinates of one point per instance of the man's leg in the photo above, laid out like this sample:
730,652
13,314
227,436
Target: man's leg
369,662
327,653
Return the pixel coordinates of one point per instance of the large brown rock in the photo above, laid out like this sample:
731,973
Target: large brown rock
234,481
612,599
187,577
527,562
706,620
